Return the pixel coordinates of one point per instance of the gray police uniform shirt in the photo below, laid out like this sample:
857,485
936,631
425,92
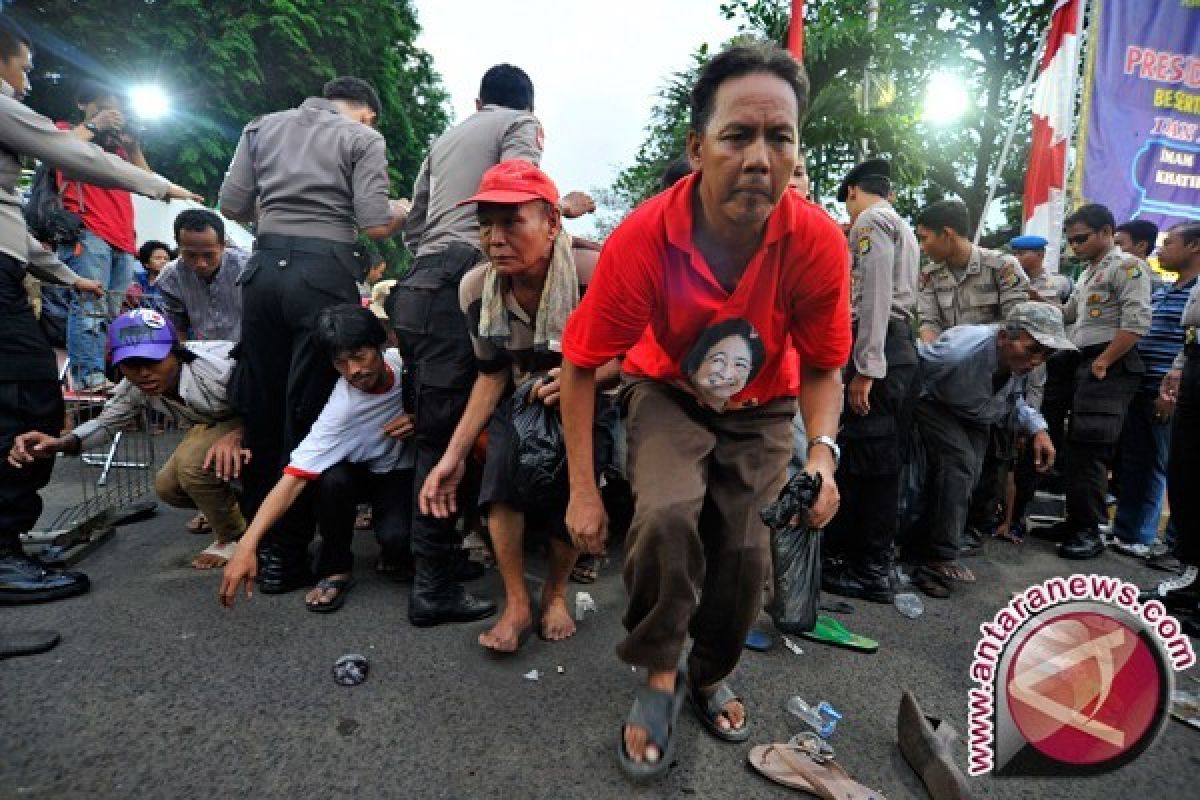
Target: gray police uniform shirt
201,309
203,396
883,282
1052,286
984,292
957,370
1109,296
309,171
451,172
1191,325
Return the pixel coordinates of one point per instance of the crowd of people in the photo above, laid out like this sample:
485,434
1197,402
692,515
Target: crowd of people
678,359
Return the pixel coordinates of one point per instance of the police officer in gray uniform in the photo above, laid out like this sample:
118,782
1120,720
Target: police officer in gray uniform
313,178
1050,287
967,284
880,378
1108,312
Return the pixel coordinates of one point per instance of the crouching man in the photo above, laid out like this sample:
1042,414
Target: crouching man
517,306
355,451
975,377
188,384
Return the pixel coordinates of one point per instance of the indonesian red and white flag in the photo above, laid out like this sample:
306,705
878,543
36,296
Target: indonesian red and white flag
795,39
1053,116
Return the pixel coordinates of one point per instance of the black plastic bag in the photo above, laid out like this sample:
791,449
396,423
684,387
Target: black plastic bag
540,456
795,555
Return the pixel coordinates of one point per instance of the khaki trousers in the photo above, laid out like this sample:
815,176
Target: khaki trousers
697,552
184,483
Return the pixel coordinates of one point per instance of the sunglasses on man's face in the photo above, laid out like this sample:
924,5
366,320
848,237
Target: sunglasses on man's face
1079,238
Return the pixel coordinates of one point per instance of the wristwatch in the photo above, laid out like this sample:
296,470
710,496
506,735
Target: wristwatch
829,442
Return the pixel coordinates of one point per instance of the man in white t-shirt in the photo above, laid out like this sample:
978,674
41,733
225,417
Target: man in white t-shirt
356,450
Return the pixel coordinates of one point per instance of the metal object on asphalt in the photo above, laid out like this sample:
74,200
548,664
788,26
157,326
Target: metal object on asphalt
351,669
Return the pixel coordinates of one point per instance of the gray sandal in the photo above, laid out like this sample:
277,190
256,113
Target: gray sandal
656,712
709,708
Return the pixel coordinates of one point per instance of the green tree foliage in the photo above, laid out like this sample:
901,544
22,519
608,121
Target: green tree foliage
989,43
224,63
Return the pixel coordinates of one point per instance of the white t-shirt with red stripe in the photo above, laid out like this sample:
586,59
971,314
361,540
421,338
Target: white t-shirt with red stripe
350,428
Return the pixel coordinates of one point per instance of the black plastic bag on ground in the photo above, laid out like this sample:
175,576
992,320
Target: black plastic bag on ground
795,555
540,456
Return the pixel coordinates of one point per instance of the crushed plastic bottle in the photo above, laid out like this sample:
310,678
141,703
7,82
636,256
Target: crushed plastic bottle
823,719
583,604
790,644
909,605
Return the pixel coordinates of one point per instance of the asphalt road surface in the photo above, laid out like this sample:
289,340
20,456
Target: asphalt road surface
157,692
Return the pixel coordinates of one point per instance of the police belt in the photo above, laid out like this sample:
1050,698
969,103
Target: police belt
303,244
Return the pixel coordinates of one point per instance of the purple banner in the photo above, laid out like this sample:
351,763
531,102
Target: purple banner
1141,154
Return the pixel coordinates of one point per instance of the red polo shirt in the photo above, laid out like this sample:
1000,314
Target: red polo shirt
108,213
653,297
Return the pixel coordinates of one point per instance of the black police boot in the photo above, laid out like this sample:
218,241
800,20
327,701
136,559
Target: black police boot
280,571
1086,543
859,580
1058,532
437,598
1180,593
25,580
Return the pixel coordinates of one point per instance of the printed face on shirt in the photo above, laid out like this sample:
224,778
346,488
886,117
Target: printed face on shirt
201,251
15,71
152,377
723,361
747,153
363,368
518,238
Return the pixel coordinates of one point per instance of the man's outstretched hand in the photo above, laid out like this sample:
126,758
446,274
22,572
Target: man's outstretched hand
439,495
240,572
587,521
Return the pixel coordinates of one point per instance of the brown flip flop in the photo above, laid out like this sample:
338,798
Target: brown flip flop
927,745
930,583
795,767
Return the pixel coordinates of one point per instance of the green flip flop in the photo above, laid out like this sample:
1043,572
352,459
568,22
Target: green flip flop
831,632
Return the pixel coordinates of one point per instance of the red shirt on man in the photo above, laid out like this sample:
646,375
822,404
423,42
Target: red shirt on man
654,297
108,213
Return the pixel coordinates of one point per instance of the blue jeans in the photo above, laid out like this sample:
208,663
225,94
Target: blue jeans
88,319
1143,474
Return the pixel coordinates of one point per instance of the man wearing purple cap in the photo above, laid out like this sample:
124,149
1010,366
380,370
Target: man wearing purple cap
187,383
516,307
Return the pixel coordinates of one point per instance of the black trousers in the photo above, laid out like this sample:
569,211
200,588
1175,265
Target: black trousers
988,495
283,380
873,452
339,490
1183,462
954,449
431,332
1097,414
25,406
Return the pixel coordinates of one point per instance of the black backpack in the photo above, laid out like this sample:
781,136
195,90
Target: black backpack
45,215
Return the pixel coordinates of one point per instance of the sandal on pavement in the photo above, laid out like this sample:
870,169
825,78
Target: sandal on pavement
224,552
831,632
586,570
796,766
709,708
656,712
952,572
930,583
198,524
26,643
341,587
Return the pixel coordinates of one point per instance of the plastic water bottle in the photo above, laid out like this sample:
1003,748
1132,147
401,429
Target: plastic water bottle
909,605
823,719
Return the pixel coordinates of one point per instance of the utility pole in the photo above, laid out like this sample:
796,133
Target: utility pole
864,144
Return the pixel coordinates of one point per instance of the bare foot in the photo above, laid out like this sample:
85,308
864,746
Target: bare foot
557,623
637,739
207,559
505,635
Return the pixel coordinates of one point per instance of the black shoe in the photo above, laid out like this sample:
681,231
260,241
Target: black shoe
278,573
1191,626
1085,544
1058,532
26,580
469,570
1180,593
853,581
449,604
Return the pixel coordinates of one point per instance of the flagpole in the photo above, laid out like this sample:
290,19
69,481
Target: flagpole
994,184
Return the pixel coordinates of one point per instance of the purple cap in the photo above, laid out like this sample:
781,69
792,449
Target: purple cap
143,333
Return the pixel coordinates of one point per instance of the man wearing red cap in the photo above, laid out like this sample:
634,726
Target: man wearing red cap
516,307
730,297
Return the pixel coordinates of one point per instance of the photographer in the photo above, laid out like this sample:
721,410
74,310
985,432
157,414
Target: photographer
106,246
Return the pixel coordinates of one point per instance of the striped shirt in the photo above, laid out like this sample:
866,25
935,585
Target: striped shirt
200,309
1159,347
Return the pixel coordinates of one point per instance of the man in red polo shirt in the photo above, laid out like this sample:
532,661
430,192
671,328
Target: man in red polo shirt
730,298
105,250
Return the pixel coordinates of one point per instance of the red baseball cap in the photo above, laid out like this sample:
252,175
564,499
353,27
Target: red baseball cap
512,182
